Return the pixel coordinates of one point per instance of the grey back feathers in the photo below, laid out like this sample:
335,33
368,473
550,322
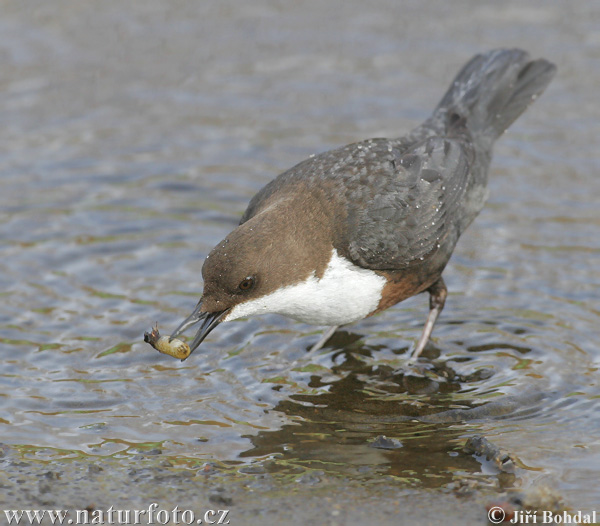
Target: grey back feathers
409,199
413,212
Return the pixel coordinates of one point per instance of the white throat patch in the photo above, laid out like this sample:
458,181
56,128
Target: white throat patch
346,293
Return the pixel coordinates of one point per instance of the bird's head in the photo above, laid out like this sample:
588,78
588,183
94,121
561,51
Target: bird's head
267,253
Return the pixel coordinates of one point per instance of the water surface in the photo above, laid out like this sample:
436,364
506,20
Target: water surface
132,140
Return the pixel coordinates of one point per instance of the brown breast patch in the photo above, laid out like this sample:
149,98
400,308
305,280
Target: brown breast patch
402,285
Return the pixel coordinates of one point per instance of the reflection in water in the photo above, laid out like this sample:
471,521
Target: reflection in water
336,429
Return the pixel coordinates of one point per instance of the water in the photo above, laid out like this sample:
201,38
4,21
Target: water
132,140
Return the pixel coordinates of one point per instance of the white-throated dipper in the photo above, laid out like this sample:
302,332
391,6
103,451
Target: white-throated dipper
352,231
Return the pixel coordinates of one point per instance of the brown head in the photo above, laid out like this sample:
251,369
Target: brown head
268,252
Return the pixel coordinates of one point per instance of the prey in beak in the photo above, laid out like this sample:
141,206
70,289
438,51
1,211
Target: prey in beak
209,321
177,348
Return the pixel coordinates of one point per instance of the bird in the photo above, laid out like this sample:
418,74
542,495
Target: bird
350,232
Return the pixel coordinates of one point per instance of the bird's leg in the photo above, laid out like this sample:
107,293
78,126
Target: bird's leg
326,335
322,341
437,299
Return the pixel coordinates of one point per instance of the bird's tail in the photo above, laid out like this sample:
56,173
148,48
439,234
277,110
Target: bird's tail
492,90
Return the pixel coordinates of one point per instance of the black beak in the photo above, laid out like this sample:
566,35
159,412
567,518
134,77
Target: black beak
209,321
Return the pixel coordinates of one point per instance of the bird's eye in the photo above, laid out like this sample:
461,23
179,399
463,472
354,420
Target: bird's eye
247,283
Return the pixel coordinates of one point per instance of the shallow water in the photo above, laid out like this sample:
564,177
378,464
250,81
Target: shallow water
132,141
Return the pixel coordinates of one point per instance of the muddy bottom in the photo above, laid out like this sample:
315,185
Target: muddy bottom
150,486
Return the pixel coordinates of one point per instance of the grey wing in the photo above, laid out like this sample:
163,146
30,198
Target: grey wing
418,209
